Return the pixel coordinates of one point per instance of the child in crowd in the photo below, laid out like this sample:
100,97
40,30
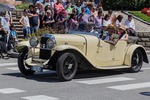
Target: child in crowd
13,37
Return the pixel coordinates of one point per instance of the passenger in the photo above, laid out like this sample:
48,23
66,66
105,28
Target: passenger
111,29
122,33
113,36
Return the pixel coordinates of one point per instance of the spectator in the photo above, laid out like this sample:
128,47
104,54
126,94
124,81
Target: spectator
8,17
73,23
13,37
129,23
41,13
100,6
99,21
5,27
106,22
94,12
48,19
119,20
61,20
57,8
114,18
45,3
83,17
52,3
78,7
87,9
35,22
3,31
110,14
26,25
68,9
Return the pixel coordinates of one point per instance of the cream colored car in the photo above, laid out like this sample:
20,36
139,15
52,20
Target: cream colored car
66,53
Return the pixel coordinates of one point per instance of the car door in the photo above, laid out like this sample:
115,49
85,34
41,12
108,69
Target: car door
119,52
105,54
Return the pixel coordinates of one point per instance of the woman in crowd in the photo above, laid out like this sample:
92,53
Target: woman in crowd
119,21
57,8
106,22
48,19
26,25
73,23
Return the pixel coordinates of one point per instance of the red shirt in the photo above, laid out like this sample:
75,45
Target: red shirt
57,7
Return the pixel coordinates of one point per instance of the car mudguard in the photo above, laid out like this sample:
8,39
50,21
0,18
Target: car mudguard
130,51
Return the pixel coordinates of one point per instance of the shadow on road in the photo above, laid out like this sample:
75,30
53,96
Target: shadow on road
145,93
49,76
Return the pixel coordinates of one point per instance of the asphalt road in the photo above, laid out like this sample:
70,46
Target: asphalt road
87,85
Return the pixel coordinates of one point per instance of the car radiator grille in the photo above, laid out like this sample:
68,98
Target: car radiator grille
44,53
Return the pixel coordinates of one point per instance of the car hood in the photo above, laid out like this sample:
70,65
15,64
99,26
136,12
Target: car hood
71,39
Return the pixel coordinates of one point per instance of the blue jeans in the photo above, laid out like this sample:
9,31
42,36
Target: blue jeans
34,29
26,32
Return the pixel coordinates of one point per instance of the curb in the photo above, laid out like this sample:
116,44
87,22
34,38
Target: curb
137,18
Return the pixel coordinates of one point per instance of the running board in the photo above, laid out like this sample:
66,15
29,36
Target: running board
113,67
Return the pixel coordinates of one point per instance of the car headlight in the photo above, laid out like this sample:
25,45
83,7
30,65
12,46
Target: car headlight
50,43
33,41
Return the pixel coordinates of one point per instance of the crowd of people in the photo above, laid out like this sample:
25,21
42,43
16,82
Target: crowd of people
67,16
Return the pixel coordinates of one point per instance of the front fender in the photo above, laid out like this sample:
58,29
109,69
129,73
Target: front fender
130,51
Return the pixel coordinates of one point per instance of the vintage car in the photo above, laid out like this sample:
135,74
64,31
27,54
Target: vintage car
67,53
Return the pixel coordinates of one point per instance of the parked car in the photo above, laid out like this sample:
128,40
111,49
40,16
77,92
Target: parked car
66,53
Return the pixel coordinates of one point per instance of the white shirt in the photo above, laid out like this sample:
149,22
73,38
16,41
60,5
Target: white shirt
25,21
106,23
129,24
118,23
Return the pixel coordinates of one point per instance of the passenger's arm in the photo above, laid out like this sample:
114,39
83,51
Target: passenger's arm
126,38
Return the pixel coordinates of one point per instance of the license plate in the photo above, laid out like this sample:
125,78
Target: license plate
37,69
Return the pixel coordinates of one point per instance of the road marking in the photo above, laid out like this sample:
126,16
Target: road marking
13,68
39,97
10,91
131,86
108,80
8,64
145,68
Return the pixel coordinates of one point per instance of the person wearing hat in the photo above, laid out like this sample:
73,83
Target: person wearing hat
112,36
123,33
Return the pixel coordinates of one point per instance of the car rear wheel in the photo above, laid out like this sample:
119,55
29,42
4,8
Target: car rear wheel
66,66
136,61
25,69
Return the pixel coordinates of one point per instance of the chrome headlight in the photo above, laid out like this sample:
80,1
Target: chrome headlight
50,43
33,41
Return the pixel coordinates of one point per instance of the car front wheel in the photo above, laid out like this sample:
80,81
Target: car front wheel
136,61
25,69
66,66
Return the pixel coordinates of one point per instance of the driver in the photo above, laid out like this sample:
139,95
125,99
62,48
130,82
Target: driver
112,37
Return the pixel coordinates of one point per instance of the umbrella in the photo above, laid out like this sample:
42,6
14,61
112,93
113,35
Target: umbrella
6,7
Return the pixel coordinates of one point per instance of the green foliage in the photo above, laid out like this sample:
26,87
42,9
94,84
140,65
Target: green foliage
141,15
19,48
22,6
127,5
47,30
